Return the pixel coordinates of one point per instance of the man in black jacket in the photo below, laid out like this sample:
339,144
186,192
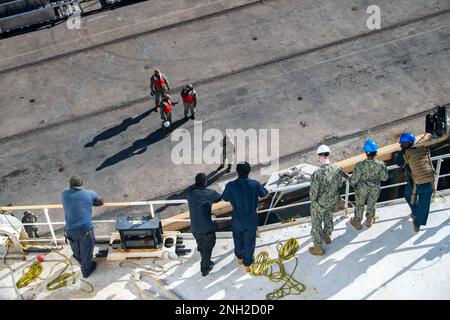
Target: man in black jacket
200,200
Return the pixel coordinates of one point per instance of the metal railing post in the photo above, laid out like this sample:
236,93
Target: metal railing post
438,171
50,226
347,191
152,210
270,207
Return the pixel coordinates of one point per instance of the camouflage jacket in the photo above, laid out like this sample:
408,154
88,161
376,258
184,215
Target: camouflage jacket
325,184
369,173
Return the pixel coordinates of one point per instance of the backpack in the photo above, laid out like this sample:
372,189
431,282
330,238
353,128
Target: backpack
419,161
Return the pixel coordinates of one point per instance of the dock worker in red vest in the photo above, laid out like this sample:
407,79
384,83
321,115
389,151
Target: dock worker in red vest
165,107
158,87
189,97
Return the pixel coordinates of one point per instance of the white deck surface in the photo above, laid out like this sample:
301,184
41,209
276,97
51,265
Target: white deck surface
388,261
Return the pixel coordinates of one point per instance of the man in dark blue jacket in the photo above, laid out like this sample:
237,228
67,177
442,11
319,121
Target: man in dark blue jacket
200,200
243,194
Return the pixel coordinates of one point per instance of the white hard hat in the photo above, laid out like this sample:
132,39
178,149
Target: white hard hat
166,124
323,149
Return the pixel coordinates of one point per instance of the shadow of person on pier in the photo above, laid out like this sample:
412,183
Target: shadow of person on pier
215,175
139,146
114,131
212,177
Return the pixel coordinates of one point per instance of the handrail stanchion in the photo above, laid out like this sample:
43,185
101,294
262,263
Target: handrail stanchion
50,226
347,191
438,171
152,210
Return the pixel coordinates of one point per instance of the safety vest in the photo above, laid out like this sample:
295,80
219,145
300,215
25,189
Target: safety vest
159,83
419,161
188,97
167,107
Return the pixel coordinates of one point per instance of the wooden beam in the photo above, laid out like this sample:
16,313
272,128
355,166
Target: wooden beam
385,153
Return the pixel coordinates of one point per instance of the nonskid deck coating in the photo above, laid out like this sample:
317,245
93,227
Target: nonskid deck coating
387,261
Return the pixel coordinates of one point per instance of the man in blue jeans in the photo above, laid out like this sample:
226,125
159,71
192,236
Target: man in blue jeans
77,203
243,194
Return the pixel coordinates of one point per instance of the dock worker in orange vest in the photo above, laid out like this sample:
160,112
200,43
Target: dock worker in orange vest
166,112
189,97
158,87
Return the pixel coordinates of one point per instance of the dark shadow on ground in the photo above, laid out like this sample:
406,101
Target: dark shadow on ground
212,177
139,146
114,131
215,175
176,196
361,259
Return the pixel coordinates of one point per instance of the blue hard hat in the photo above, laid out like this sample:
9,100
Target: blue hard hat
407,137
370,146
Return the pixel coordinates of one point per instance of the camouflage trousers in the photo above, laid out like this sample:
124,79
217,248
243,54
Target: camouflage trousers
365,195
321,223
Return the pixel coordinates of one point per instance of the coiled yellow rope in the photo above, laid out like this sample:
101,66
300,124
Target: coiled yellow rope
30,274
263,266
33,272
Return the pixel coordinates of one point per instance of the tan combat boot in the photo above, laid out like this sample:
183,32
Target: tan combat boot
356,224
316,251
248,268
369,222
327,239
240,261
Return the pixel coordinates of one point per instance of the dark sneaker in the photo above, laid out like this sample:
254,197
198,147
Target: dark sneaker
193,117
206,272
94,266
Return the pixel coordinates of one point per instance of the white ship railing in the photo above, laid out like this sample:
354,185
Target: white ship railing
152,203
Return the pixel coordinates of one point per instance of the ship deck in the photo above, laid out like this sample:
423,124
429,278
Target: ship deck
387,261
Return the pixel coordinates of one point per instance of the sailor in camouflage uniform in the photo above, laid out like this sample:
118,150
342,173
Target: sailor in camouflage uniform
366,180
324,193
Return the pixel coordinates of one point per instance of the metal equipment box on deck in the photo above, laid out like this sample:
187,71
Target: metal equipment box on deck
139,231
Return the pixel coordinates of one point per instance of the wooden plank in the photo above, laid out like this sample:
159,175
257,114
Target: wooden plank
385,153
222,208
